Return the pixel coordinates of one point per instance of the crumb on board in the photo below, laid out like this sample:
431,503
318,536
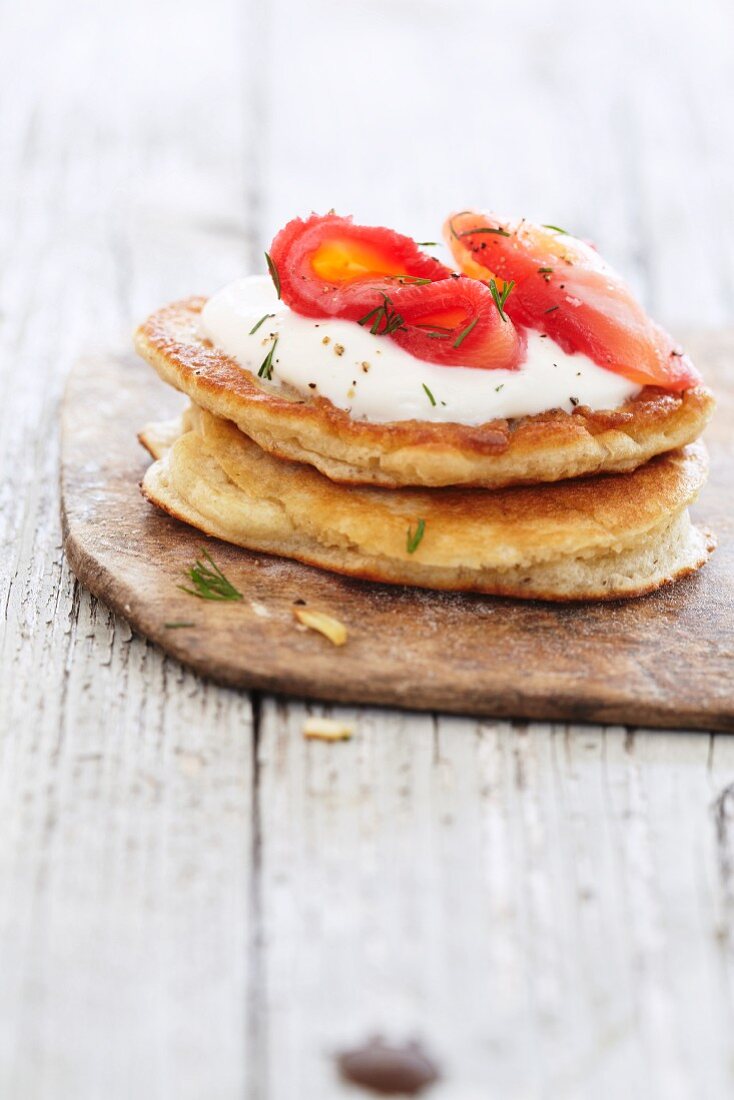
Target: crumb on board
260,610
326,729
325,624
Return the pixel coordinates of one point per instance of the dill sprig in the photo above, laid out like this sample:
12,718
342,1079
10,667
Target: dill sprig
551,310
411,280
556,229
452,230
385,318
256,326
431,398
501,296
464,333
451,222
500,232
266,368
413,538
273,273
209,582
435,332
427,244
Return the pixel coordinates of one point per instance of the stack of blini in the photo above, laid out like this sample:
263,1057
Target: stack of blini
558,504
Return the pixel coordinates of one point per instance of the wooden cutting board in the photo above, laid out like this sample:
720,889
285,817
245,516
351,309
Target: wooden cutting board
664,660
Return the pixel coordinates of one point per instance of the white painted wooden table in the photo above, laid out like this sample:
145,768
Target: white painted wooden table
194,903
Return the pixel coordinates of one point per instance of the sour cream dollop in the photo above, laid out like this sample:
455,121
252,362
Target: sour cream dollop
373,379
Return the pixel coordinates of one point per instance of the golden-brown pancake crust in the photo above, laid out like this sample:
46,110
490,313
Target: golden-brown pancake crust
547,447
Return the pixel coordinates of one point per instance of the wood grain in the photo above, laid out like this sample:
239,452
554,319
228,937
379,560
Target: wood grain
664,660
550,907
126,782
556,866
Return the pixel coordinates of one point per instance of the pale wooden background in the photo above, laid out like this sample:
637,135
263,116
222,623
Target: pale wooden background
194,903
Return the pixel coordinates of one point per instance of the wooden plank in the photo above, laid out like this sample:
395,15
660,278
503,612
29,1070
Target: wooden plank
125,782
659,793
514,897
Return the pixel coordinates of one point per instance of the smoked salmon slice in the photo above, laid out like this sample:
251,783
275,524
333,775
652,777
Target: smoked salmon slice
562,287
323,263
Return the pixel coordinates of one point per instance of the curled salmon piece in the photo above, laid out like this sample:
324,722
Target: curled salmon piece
329,267
324,263
564,288
457,322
